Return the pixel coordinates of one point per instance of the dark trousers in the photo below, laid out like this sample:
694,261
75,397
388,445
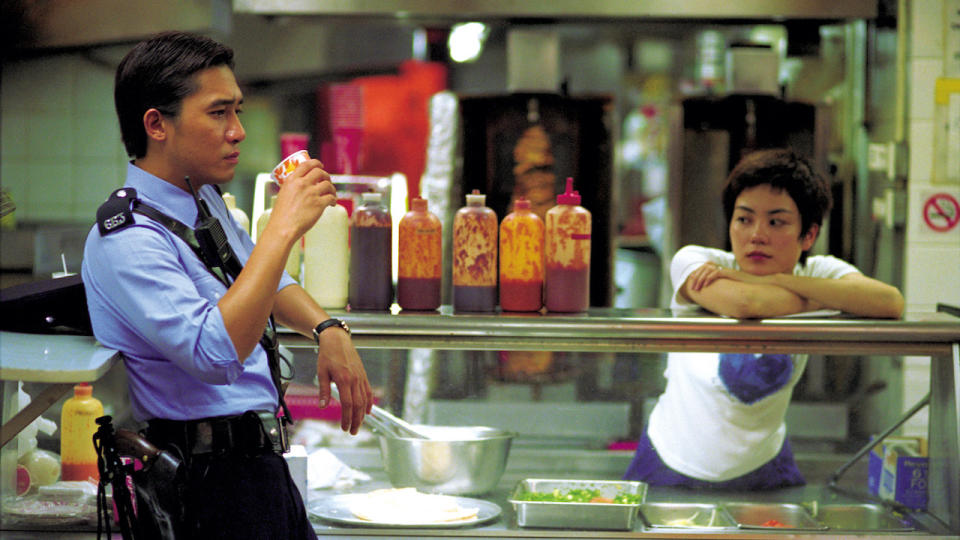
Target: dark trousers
647,466
236,496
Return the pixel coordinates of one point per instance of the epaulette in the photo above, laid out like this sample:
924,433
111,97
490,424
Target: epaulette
116,213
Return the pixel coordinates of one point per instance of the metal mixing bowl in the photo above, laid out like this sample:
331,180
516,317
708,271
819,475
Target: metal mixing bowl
455,460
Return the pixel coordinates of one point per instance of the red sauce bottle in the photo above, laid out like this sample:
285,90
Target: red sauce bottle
371,256
420,257
568,254
475,256
521,259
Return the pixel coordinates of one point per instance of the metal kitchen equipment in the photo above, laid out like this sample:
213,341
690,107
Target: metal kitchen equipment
687,516
453,460
757,516
577,515
860,517
935,335
386,423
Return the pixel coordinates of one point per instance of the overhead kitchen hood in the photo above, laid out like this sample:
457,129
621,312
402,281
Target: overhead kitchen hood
568,9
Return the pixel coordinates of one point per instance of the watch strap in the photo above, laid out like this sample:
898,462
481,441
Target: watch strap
327,324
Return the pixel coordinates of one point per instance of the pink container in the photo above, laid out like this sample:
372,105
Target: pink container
293,142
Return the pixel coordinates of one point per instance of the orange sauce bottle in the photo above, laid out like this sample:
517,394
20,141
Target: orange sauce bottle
475,256
420,258
521,259
568,254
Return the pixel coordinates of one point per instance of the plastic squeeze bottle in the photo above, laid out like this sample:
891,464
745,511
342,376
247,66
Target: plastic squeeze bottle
568,254
326,258
78,457
420,258
293,260
239,215
475,256
371,255
521,259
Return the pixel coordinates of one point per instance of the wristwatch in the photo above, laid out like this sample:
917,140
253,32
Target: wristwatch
327,324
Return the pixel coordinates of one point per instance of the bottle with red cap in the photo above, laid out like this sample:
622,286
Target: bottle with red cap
568,227
475,256
521,259
78,423
420,258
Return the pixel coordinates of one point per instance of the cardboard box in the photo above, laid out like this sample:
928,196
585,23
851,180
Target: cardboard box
898,470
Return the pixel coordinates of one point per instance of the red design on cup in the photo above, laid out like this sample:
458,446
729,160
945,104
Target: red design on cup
286,167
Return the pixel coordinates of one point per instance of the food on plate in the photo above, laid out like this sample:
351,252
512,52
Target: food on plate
580,495
407,505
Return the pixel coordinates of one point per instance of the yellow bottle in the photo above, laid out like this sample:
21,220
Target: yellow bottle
78,457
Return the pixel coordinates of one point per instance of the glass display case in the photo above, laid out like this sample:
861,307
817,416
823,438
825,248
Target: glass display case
412,340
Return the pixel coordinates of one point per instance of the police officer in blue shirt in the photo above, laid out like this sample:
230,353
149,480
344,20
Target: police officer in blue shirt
193,340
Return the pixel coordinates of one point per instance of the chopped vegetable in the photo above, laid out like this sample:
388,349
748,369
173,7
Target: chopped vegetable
579,495
773,523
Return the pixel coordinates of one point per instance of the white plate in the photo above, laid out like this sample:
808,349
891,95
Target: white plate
818,314
336,509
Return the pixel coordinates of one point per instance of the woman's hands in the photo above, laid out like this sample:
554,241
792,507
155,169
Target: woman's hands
749,296
704,275
735,293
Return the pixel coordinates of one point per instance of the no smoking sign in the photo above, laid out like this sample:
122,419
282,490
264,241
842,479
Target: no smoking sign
941,212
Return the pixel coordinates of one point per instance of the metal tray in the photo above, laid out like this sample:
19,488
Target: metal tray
685,516
754,515
574,515
860,517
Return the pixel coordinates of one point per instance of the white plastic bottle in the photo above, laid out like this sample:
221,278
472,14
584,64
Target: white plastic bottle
239,215
326,259
293,260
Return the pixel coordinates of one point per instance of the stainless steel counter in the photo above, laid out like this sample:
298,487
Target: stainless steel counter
936,335
648,330
592,465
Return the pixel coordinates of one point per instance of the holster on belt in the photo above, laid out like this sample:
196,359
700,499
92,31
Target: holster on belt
158,484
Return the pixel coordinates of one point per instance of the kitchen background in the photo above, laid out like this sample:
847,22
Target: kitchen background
874,69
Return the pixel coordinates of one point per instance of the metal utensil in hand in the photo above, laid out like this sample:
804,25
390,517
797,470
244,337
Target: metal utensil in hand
386,423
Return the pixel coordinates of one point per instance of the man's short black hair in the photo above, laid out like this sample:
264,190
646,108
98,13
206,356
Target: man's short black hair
783,169
158,73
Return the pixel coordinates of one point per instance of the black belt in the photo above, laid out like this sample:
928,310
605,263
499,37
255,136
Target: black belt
253,432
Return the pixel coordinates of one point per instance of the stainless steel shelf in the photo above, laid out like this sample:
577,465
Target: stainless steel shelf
566,9
648,330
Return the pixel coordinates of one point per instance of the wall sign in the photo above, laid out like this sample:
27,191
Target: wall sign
941,212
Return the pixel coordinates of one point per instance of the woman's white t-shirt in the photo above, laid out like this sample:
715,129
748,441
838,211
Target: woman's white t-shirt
698,427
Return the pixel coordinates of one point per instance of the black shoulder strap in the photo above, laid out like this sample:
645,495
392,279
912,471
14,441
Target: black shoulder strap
175,226
117,213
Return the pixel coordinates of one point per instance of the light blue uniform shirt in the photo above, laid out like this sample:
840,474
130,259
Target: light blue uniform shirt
151,297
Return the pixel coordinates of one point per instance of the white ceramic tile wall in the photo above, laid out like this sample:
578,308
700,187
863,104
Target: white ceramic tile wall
932,260
62,153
